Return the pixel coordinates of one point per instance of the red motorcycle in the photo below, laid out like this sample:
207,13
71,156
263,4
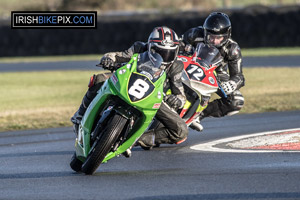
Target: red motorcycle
199,80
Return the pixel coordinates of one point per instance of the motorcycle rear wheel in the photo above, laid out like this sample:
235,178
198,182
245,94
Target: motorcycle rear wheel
104,144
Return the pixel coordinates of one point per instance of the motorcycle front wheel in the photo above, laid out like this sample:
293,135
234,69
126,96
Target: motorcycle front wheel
75,163
104,144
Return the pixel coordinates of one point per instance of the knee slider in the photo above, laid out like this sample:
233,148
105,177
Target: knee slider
99,78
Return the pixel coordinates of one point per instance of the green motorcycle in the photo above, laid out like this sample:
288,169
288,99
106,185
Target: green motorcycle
120,113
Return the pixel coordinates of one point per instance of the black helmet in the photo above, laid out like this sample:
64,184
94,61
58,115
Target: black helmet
163,41
217,29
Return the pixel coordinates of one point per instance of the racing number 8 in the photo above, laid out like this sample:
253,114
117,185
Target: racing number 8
139,88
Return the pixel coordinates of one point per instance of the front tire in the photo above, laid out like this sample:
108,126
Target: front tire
104,144
75,163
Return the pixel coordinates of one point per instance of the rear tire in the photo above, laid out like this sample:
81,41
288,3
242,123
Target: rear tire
75,163
104,144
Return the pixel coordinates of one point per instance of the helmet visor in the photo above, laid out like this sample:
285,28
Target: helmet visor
215,40
168,55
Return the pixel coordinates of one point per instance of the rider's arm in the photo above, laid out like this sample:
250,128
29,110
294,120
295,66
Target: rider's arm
235,65
125,56
174,77
193,36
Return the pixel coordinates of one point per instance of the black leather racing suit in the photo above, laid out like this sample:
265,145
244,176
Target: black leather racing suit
172,128
230,69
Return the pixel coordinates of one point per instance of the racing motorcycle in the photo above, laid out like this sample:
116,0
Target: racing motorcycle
199,80
120,113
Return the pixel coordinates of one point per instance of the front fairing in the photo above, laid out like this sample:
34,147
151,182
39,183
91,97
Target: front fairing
200,78
136,88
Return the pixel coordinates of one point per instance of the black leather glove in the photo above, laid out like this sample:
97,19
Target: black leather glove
173,101
107,63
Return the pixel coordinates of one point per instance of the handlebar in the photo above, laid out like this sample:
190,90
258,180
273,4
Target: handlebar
112,68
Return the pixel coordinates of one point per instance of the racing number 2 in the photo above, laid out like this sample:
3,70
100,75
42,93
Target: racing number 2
139,88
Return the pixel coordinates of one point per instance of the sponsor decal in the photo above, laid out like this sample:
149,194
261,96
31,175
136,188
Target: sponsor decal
211,80
167,42
114,79
156,105
159,94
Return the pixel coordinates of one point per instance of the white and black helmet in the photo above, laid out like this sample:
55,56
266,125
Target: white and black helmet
163,41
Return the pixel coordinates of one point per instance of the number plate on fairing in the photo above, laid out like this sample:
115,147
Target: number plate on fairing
139,87
195,72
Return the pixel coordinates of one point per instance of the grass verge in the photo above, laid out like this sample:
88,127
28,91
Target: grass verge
282,51
33,100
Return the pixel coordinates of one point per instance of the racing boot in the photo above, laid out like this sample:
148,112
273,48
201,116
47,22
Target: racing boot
127,153
196,125
77,117
147,140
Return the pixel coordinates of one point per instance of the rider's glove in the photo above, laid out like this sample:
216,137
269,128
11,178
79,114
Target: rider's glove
173,101
229,86
107,63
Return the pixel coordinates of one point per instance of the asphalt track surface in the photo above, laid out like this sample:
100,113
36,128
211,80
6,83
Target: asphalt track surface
278,61
35,165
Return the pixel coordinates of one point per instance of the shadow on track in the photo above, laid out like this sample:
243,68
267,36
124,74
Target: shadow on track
37,175
269,196
36,154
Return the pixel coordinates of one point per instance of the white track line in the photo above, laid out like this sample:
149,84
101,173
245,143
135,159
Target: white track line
210,146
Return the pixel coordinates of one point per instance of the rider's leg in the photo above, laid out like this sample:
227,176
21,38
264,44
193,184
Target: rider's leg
172,130
224,106
95,83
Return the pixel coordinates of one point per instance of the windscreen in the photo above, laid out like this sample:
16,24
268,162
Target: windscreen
150,65
208,55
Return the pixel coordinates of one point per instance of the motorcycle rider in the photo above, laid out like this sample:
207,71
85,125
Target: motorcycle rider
165,42
216,31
